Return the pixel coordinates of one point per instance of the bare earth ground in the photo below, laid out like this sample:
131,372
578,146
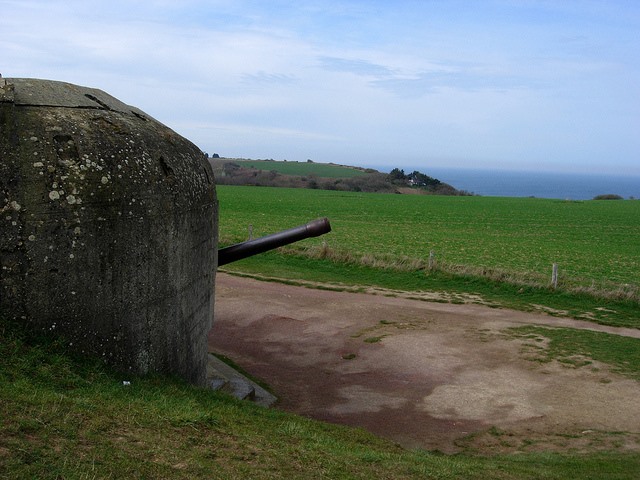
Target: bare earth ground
437,376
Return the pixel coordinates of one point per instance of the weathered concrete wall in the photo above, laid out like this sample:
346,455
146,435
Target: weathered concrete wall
108,227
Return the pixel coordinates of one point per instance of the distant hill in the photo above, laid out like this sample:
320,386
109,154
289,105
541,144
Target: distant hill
323,170
325,176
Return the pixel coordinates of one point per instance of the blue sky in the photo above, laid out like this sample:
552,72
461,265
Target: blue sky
508,84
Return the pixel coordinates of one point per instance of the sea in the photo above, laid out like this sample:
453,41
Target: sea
565,186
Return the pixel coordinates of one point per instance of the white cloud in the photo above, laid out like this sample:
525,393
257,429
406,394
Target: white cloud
509,81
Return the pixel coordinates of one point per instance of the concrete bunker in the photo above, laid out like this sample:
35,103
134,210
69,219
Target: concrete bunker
108,228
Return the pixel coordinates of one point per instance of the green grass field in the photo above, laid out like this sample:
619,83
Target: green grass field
593,242
322,170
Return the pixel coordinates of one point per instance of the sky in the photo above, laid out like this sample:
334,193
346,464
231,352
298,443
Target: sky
494,84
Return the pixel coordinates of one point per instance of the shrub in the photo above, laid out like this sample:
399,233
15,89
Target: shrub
608,196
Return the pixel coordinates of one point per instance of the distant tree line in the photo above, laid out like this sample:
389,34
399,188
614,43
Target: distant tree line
228,172
609,196
414,179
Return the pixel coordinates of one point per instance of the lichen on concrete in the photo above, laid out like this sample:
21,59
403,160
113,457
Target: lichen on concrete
109,227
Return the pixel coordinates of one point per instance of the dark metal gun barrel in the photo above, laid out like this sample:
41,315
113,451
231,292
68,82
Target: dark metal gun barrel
259,245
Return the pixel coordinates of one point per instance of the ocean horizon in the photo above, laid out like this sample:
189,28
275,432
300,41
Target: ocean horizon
507,183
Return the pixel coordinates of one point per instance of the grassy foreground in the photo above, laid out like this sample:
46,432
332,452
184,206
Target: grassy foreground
66,417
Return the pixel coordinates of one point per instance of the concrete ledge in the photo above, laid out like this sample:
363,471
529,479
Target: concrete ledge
221,376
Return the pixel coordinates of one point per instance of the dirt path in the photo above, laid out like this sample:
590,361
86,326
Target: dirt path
423,374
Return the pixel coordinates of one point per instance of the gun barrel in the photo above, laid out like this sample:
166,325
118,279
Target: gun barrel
259,245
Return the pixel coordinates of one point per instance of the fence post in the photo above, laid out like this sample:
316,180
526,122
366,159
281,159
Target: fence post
554,275
250,231
432,256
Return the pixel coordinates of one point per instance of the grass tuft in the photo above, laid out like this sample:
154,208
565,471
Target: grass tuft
580,348
374,339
